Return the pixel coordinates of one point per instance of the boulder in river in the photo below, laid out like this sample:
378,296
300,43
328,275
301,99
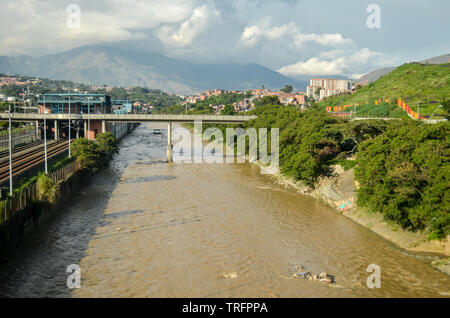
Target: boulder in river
322,277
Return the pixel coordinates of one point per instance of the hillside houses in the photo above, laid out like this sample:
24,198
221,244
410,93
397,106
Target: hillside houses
247,103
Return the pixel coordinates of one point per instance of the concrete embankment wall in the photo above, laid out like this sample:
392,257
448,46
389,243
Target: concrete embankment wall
24,221
13,231
121,129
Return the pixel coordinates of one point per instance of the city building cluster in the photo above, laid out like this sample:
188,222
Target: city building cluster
248,102
320,88
13,80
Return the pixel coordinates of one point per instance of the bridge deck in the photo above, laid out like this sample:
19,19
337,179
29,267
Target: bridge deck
130,117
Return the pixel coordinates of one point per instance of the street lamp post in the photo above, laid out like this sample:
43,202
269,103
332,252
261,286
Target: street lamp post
89,119
10,156
45,138
69,127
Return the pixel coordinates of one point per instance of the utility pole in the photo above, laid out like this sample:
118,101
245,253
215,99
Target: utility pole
69,126
45,138
89,119
10,156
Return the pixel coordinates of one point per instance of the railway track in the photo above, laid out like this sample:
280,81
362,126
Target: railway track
30,159
5,153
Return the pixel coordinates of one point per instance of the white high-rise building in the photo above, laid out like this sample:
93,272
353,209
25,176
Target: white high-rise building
320,88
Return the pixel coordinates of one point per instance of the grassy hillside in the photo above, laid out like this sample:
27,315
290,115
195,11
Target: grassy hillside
414,83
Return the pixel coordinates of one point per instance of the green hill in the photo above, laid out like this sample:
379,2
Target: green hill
424,84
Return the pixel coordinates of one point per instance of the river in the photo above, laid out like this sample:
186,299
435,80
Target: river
146,228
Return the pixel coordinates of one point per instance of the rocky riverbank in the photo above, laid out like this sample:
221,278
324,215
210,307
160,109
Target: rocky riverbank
338,190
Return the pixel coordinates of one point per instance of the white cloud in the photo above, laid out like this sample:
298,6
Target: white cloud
35,26
185,34
252,34
315,66
278,32
333,40
265,31
337,62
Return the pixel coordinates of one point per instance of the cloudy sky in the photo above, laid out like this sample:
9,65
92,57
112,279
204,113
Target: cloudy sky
298,38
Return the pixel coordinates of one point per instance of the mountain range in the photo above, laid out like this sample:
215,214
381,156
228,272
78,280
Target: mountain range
374,75
101,65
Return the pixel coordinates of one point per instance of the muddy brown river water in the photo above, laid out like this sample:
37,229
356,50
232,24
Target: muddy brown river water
146,228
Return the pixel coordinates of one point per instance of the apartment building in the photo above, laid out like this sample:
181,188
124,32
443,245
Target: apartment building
320,88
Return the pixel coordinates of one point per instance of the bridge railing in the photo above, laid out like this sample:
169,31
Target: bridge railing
26,197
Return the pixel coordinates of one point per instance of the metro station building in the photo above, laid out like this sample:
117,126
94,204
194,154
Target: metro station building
72,103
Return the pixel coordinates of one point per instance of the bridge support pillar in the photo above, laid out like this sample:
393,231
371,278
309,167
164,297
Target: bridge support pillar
103,126
169,142
38,131
56,130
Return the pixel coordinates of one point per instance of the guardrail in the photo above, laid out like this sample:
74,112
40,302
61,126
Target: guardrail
21,200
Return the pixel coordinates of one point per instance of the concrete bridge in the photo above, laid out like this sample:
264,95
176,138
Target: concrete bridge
92,122
130,118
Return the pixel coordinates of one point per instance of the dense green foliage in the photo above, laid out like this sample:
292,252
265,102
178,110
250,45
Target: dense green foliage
402,166
287,89
228,110
48,189
94,155
414,83
310,139
381,110
267,100
108,144
405,174
203,107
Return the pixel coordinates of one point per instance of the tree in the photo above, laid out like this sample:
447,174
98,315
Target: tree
88,153
228,110
268,100
404,174
107,144
287,89
317,92
446,106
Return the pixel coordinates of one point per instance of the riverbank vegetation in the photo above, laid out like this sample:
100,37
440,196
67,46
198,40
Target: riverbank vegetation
405,174
95,154
47,188
403,167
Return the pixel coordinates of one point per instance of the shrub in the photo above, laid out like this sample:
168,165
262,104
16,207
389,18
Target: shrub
48,189
88,153
405,174
108,144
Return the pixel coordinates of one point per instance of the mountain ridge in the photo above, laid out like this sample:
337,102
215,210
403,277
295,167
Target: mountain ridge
123,67
376,74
